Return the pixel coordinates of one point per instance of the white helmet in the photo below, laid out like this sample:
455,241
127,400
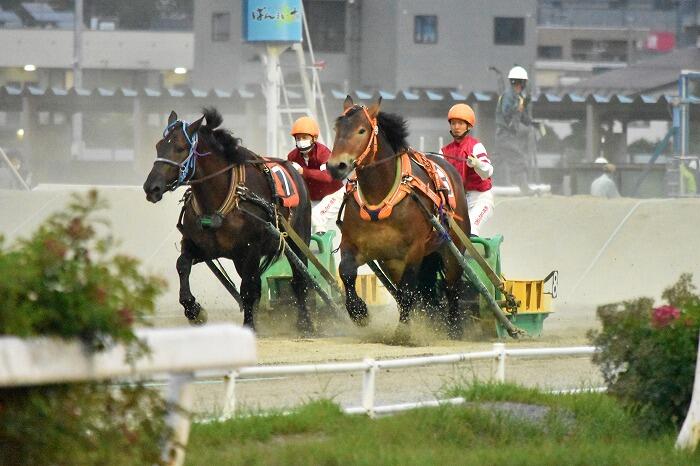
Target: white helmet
601,160
517,72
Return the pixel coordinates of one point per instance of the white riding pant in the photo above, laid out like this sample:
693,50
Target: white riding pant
481,208
325,212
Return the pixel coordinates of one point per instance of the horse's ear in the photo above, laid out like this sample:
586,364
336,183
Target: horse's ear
373,109
194,127
172,118
348,103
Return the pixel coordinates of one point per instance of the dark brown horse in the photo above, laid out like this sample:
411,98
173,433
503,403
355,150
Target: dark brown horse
207,158
404,243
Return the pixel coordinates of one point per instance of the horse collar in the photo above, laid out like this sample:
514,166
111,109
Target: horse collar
404,184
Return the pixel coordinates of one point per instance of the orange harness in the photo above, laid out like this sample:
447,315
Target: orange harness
440,193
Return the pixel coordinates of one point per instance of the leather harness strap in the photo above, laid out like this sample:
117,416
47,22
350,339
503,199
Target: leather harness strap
371,144
404,184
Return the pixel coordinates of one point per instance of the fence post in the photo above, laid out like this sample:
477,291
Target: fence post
689,435
229,409
368,384
179,402
499,363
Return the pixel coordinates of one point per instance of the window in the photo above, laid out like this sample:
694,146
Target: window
425,29
664,5
549,52
617,4
220,27
326,25
603,50
509,31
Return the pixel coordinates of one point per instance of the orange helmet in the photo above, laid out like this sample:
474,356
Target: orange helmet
462,112
305,125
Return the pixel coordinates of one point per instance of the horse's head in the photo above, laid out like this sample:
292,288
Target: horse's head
176,153
356,133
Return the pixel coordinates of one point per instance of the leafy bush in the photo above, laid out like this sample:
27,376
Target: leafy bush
648,354
65,281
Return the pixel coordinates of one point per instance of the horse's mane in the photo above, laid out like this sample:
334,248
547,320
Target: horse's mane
221,139
393,126
395,130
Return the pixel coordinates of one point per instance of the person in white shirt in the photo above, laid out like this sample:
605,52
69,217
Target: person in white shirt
604,185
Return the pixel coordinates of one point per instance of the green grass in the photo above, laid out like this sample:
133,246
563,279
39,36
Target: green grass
582,429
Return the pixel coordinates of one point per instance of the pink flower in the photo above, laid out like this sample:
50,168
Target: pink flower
663,315
126,316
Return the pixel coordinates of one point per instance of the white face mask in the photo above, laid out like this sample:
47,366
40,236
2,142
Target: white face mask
304,144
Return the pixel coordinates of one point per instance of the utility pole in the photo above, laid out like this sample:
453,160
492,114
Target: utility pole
679,23
78,45
77,146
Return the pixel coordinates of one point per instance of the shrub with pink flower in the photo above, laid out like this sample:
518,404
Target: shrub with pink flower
663,315
647,354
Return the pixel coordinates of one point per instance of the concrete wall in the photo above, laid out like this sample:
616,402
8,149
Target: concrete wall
132,50
605,250
379,58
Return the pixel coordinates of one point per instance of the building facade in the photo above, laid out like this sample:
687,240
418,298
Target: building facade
377,44
578,39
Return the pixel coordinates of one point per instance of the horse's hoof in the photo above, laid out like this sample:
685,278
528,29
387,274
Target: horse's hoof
305,328
249,325
195,314
455,333
201,319
360,321
402,334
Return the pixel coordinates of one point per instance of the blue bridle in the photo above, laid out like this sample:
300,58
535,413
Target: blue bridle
187,167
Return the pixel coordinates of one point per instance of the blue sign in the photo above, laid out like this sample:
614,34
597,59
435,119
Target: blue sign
272,21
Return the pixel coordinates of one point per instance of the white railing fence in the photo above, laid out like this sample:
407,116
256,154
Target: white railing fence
178,352
228,349
689,436
371,367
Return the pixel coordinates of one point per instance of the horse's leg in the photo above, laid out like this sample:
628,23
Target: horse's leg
357,309
429,288
184,267
457,296
408,293
249,270
300,288
461,298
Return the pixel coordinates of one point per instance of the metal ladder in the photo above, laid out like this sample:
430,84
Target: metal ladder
311,92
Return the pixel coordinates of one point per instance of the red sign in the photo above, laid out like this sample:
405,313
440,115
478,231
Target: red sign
660,41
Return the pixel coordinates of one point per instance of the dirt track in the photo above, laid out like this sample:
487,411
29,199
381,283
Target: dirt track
652,243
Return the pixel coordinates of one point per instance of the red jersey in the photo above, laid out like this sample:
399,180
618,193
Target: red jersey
318,179
468,146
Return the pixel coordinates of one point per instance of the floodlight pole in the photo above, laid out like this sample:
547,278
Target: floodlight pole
77,146
272,97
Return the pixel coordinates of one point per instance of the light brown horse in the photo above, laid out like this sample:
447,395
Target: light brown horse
207,157
405,245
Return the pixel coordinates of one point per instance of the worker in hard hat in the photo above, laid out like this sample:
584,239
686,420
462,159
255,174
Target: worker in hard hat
469,157
604,185
513,122
309,157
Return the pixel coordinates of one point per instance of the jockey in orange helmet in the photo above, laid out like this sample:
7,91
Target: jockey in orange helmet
309,158
469,157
